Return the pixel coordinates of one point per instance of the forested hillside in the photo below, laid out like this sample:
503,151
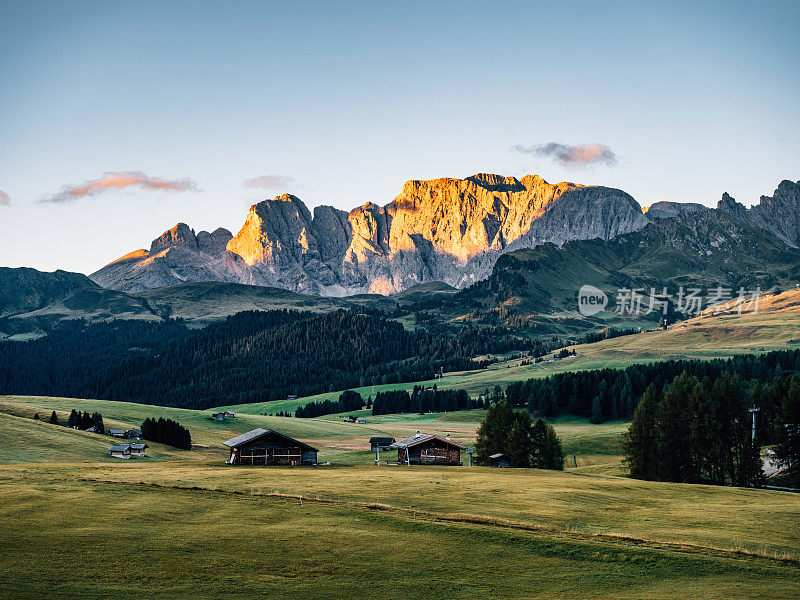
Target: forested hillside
250,357
614,393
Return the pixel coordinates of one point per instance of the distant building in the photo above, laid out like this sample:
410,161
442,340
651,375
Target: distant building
138,449
360,420
499,460
133,434
229,414
120,451
428,449
218,416
380,443
291,397
267,447
127,450
120,433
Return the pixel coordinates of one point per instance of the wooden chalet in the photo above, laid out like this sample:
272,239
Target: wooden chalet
127,450
380,443
120,451
428,449
117,433
218,416
268,447
138,449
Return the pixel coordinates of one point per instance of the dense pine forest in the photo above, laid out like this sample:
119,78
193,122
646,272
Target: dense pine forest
422,400
608,394
249,357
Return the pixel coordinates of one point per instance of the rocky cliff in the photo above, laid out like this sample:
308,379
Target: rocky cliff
449,230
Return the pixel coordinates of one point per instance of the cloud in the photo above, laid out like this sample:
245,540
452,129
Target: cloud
121,180
270,182
571,156
4,199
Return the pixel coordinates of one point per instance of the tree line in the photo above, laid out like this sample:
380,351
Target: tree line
422,400
79,420
608,394
526,444
166,431
253,356
349,400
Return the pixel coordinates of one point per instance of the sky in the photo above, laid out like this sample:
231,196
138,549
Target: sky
120,119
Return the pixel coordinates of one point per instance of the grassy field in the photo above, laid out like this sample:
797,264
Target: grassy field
134,540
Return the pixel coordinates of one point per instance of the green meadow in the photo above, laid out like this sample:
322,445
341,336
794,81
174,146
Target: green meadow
182,524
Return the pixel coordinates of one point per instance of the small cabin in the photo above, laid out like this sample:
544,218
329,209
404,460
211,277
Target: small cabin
138,449
500,460
120,451
360,420
120,433
428,449
229,414
380,443
268,447
218,416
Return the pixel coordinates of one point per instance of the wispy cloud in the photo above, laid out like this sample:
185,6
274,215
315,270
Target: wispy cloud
4,199
271,182
123,179
571,156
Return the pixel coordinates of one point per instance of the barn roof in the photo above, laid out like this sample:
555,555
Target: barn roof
420,438
259,432
381,440
138,446
120,448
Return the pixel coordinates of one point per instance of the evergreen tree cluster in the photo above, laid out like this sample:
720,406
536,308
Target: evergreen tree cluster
510,432
608,394
84,420
250,357
167,431
348,401
422,400
694,431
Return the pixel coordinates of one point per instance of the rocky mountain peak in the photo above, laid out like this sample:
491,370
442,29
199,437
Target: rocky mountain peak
179,235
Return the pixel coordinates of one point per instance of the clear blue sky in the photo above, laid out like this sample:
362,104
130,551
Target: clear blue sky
341,103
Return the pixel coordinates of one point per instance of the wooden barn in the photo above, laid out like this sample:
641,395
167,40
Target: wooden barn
120,451
268,447
428,449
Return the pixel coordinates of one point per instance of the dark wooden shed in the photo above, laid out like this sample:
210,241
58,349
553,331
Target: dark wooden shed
428,449
499,460
268,447
383,443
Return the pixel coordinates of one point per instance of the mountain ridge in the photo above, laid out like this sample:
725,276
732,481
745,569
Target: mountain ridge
447,229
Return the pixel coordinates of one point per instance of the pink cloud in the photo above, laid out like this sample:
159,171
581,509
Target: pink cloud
121,180
571,156
271,182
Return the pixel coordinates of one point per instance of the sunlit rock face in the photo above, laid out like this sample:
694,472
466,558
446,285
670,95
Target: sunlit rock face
449,230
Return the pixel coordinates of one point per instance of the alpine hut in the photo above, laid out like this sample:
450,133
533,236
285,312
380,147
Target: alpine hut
428,449
268,447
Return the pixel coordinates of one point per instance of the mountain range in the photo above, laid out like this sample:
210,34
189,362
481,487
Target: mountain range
449,230
485,248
